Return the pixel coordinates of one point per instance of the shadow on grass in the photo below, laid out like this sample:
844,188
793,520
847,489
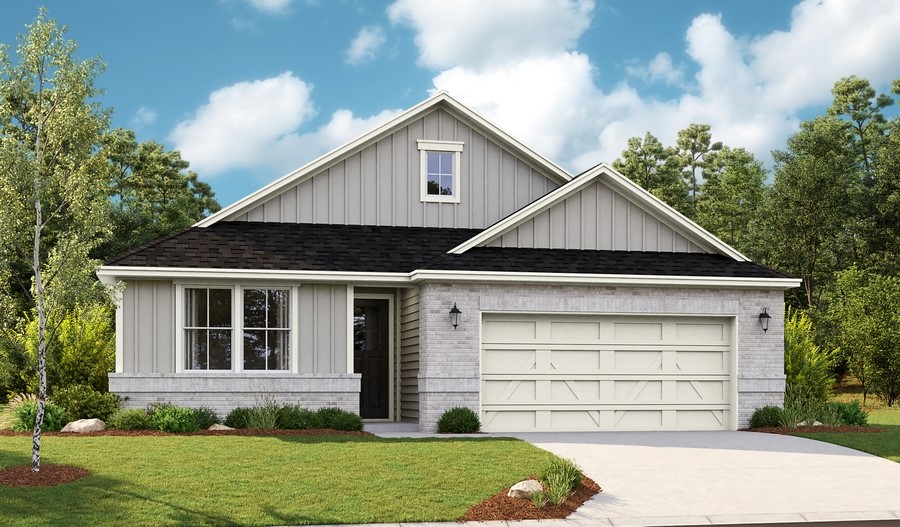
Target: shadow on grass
882,444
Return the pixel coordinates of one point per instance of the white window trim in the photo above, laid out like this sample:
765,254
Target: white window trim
237,326
455,147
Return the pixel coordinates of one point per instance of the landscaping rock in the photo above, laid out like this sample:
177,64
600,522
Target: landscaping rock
524,489
217,426
85,425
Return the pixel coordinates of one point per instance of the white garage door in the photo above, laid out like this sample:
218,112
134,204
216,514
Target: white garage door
605,372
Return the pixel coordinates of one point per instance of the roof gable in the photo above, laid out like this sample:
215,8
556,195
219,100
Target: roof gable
656,226
441,101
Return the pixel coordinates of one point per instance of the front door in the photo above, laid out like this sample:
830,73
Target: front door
370,356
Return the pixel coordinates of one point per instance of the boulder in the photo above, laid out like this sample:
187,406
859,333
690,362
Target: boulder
217,426
85,425
524,489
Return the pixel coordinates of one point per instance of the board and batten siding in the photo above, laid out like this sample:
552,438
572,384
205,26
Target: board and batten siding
379,185
149,325
409,354
596,218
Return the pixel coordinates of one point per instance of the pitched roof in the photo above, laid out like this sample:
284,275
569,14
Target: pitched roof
362,248
441,99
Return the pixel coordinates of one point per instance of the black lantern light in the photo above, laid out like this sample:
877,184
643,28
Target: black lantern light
764,319
454,315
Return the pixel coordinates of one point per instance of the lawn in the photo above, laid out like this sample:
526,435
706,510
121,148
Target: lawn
6,417
227,480
885,444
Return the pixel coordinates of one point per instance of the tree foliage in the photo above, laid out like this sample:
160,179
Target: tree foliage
696,151
807,366
656,169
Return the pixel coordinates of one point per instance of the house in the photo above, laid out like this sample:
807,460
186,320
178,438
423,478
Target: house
579,302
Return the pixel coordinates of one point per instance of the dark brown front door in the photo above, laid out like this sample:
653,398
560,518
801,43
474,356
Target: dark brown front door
370,356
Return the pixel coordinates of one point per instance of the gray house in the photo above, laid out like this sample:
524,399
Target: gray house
436,262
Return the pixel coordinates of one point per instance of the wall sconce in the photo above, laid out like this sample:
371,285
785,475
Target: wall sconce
454,315
764,318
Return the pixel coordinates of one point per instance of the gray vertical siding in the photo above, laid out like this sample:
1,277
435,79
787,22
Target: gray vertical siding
322,323
409,354
148,327
379,185
596,218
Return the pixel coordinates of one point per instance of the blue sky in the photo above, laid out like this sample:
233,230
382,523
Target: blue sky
249,89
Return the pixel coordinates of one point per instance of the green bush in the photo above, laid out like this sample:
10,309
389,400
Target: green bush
807,366
295,417
560,477
264,414
83,402
174,419
205,417
338,419
55,417
851,413
458,420
130,419
766,417
239,417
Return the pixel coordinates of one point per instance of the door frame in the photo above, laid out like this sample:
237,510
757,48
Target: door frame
391,356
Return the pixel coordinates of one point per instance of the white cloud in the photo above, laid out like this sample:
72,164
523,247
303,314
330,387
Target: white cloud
143,117
258,125
366,44
271,7
659,69
476,33
749,89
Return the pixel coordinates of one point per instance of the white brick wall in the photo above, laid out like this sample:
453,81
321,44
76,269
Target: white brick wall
450,358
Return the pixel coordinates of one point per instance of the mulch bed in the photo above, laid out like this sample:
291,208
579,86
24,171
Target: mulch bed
237,432
814,429
48,476
502,507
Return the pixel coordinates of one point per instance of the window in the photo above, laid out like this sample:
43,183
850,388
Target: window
207,329
440,170
266,329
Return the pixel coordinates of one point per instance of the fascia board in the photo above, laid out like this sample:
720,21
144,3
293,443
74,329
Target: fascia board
116,273
314,166
605,279
532,209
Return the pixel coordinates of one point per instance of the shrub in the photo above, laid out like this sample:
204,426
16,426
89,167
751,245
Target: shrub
458,420
264,414
87,347
130,419
851,413
152,408
807,366
238,417
766,417
205,417
83,402
174,419
295,417
337,419
560,477
55,417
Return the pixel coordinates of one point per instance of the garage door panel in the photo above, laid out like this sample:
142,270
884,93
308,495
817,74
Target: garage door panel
605,372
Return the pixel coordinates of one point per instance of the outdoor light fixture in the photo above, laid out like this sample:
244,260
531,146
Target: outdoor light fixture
454,315
764,320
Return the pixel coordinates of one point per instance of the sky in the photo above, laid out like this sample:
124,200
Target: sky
248,90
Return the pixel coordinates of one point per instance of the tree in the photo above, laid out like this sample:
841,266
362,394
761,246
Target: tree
807,366
52,185
152,192
809,205
695,148
732,197
884,237
655,168
855,101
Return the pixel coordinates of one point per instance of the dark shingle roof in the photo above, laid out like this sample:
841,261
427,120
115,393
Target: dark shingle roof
365,248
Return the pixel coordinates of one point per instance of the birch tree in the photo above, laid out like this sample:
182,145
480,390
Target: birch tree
53,193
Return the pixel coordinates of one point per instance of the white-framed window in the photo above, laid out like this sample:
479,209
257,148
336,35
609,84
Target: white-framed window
234,328
267,329
440,162
208,331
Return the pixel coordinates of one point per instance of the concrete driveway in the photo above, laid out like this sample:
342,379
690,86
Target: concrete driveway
702,478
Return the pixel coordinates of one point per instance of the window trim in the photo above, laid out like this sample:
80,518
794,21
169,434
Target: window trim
425,146
237,326
238,363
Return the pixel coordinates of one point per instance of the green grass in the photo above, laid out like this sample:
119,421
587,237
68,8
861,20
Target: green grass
228,480
885,444
6,417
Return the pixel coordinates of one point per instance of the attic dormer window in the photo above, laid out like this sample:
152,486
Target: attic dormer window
439,180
